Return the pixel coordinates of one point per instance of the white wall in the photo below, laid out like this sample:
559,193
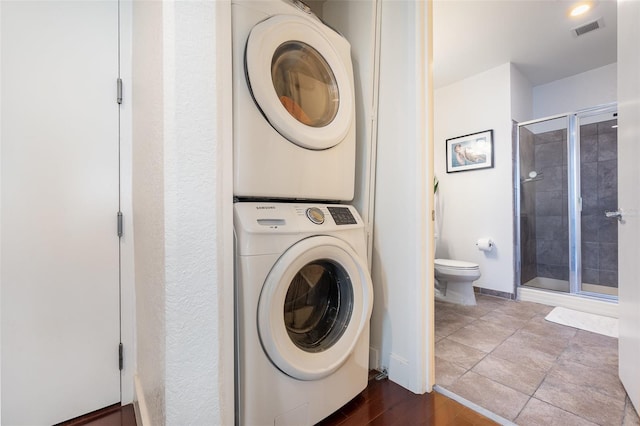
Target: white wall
521,96
356,21
584,90
478,203
401,267
182,212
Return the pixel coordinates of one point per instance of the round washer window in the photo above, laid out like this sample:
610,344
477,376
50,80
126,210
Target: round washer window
305,84
318,305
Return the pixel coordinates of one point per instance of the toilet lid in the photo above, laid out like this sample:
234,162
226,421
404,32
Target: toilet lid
459,264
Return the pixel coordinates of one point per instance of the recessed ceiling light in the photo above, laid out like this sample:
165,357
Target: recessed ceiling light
580,9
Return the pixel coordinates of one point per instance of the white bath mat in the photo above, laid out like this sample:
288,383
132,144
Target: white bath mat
584,321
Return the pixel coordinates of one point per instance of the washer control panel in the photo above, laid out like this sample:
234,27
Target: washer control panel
342,216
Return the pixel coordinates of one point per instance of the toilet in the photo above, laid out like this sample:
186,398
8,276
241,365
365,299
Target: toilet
454,281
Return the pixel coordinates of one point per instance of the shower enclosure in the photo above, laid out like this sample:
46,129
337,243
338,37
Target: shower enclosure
566,203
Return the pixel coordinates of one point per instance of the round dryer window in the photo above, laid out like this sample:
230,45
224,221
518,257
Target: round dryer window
300,81
314,305
305,84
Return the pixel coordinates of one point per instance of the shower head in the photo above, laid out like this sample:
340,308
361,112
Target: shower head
533,177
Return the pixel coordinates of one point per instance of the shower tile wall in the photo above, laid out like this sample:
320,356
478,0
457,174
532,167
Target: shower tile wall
599,182
551,236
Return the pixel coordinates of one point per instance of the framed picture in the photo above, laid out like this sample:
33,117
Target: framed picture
470,152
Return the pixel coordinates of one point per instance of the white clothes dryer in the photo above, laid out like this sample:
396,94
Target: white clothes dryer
293,104
303,305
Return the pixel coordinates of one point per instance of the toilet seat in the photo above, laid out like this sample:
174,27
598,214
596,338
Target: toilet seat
456,264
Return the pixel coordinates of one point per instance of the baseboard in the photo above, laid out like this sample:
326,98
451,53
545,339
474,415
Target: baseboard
139,404
495,293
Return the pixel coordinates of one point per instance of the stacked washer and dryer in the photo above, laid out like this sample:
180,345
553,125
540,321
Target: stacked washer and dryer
303,290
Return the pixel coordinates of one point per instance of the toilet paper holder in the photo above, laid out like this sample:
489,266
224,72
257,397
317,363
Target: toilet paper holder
485,244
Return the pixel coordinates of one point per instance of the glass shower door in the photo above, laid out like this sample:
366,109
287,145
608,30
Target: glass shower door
543,215
599,195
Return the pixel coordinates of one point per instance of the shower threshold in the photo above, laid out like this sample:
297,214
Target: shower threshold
563,286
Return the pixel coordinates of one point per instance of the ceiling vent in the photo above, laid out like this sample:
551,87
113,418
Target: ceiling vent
588,27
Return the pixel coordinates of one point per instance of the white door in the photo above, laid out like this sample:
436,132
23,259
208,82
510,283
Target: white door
59,193
629,195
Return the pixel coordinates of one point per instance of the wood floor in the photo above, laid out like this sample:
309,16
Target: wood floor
115,415
382,403
385,403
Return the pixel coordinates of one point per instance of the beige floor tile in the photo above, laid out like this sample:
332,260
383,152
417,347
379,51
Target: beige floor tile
539,413
449,322
524,310
493,396
630,416
581,400
530,350
470,311
508,321
459,354
447,372
482,335
588,338
572,373
597,356
512,374
551,344
540,326
598,379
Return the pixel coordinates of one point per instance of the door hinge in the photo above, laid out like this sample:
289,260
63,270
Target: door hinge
119,91
120,224
121,357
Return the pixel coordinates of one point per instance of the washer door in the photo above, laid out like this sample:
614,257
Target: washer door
314,305
299,81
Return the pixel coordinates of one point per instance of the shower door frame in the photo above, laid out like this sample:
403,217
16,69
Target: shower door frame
574,197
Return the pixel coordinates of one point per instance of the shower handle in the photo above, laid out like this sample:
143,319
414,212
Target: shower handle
617,214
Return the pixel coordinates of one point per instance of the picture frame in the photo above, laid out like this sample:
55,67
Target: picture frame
470,152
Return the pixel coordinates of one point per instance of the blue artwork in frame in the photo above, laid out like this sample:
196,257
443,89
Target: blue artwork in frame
470,152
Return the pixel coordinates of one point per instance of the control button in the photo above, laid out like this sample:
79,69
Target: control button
315,215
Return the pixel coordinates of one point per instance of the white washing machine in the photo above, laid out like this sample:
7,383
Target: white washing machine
303,305
293,104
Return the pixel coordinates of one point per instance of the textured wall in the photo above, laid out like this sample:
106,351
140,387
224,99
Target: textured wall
193,388
182,212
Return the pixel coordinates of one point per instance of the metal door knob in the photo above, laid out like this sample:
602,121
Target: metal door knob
617,214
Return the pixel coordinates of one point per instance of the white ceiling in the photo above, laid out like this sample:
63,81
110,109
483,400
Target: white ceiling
472,36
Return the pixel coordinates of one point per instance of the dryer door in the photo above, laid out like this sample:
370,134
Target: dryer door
300,81
314,305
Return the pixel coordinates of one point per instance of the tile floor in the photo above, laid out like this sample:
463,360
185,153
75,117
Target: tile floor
504,356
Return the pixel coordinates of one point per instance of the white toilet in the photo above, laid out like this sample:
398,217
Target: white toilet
454,281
